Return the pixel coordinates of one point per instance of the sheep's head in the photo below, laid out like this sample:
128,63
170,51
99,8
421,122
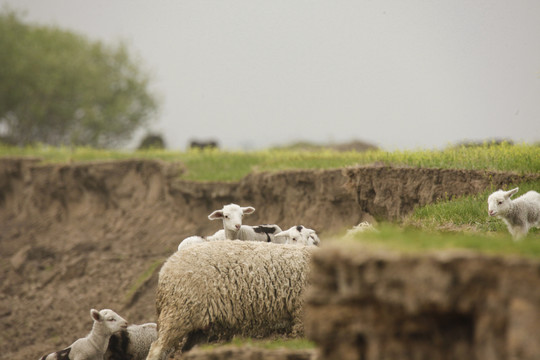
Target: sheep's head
299,235
109,320
232,216
499,202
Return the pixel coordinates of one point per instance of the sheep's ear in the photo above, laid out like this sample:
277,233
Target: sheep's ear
281,234
511,192
218,214
248,210
95,315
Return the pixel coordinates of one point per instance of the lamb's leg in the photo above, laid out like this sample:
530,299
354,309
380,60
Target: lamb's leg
519,232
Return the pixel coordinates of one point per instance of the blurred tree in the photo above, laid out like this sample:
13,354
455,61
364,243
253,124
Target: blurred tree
60,88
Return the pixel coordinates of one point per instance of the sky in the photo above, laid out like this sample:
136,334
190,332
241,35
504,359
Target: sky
252,74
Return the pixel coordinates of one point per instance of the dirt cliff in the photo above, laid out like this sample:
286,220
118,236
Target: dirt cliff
93,235
451,305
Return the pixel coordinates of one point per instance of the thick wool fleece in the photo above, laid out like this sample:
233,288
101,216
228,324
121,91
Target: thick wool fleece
229,287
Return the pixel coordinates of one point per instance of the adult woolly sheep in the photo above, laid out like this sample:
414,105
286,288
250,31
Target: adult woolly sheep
519,214
227,288
298,235
132,343
94,345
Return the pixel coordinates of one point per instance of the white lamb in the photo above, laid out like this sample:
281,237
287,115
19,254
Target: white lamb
132,343
94,345
232,216
520,214
298,235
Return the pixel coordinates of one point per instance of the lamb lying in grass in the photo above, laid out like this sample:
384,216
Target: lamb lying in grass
298,235
520,214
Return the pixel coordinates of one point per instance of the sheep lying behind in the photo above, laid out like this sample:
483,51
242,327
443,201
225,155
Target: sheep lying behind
94,345
220,235
229,287
520,214
264,232
299,234
360,228
132,343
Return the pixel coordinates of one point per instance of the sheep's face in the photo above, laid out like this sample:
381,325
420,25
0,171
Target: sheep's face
232,216
109,319
298,235
499,202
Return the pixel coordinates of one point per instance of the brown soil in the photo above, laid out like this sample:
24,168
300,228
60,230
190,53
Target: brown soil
446,305
92,235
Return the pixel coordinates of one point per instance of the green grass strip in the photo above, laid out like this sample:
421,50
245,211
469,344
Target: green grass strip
217,165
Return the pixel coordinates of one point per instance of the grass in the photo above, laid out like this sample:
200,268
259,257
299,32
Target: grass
269,344
413,240
467,212
216,165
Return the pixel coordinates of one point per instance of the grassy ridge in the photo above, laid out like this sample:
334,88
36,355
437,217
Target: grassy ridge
413,240
216,165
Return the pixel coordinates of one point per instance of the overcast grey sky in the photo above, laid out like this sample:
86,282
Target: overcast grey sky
399,74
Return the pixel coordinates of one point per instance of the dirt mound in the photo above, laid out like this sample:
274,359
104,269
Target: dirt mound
93,235
452,305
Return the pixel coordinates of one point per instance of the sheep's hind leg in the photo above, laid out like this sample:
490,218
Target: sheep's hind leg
165,343
194,338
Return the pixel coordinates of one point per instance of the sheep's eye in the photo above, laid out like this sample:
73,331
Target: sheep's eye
293,239
111,319
226,216
499,202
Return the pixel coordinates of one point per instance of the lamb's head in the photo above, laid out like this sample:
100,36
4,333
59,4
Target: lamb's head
108,320
299,235
232,216
499,202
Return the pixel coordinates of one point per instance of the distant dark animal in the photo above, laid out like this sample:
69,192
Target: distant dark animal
211,144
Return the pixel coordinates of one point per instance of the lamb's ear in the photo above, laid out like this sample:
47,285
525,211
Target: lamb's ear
281,234
248,210
95,315
218,214
509,193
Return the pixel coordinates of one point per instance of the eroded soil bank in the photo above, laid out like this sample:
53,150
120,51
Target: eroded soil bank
93,235
447,305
